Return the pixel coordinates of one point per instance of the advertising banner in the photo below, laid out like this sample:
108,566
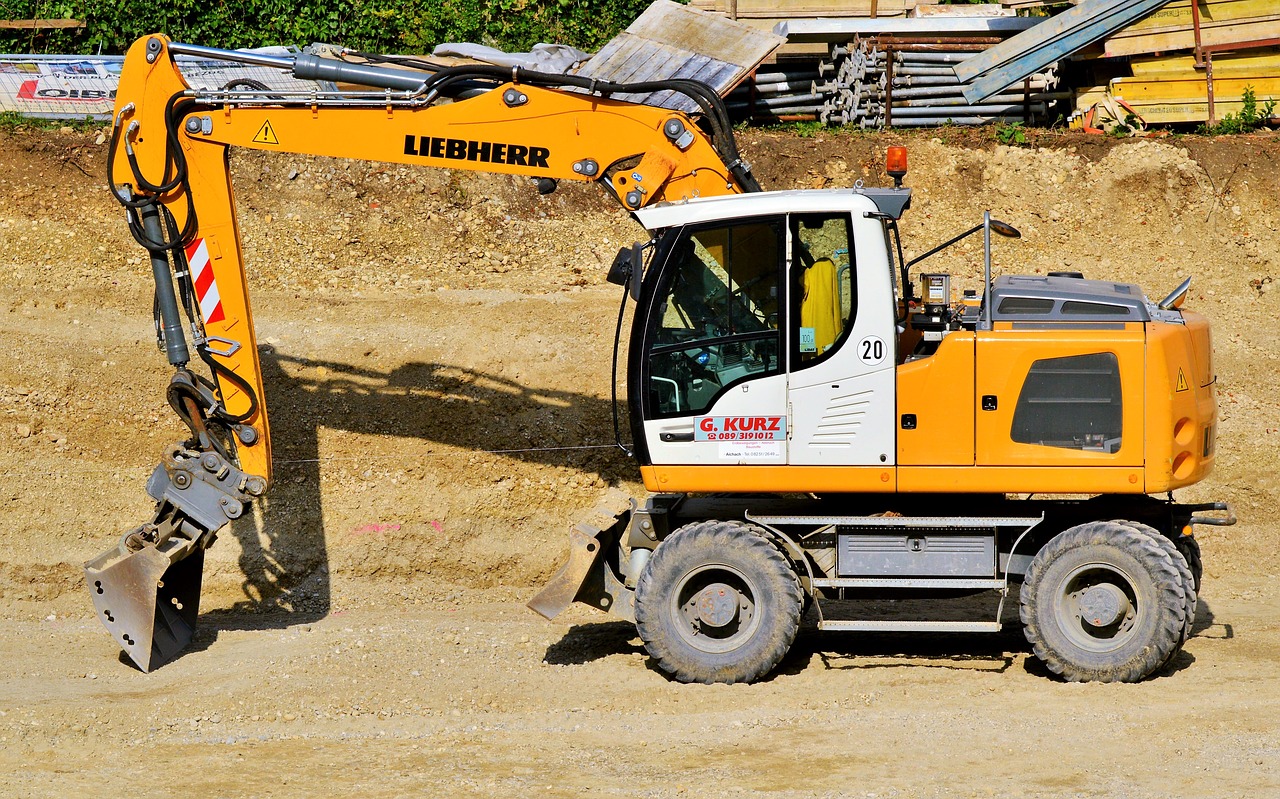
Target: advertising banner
76,87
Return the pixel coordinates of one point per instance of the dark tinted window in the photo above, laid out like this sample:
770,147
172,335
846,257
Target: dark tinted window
1071,402
1078,308
1025,305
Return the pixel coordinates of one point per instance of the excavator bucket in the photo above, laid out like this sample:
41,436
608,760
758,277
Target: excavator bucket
149,604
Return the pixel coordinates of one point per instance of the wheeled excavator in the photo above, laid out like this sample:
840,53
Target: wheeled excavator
814,433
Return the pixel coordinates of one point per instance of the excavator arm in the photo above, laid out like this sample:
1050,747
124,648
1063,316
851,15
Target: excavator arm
168,166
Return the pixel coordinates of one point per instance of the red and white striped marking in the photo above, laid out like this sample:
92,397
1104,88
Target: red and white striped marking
202,279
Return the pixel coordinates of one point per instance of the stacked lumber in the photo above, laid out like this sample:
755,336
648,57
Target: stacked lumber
1166,83
790,9
1167,90
1171,90
1222,22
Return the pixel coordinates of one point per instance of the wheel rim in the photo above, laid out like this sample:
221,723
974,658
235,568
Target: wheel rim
1097,607
716,606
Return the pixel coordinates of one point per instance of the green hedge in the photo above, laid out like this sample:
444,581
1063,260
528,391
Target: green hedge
389,26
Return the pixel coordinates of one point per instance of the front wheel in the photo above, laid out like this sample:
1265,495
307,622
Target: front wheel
718,602
1103,602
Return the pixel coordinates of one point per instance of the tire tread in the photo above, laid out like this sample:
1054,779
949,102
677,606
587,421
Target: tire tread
719,536
1170,610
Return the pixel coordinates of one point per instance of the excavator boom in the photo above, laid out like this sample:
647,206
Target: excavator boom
168,165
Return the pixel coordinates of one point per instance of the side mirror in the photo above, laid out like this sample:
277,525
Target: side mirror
627,269
1005,229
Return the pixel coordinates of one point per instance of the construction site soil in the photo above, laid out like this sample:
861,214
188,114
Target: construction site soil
437,351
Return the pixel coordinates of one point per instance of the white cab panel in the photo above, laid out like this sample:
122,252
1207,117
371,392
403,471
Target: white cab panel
843,408
766,397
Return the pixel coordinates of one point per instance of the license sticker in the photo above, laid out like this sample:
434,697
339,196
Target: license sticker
808,340
741,428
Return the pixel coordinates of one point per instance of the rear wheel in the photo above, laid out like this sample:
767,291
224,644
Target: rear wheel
1190,549
1184,573
1103,602
718,602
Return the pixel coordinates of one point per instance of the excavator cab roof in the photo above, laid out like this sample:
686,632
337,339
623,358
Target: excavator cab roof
887,202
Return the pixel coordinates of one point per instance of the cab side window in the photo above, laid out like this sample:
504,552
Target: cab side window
1073,402
825,284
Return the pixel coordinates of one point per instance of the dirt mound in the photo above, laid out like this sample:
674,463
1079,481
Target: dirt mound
438,344
437,349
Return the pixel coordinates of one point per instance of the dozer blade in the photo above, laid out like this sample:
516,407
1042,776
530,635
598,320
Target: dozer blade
562,589
587,541
149,605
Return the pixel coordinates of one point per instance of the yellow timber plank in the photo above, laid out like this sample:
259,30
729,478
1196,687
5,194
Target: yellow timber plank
1166,113
1224,65
1177,16
1211,33
1131,89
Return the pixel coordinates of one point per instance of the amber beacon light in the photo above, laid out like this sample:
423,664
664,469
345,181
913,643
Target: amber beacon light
895,163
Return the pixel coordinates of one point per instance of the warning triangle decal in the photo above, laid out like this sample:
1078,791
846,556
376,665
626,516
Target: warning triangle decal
1182,381
266,134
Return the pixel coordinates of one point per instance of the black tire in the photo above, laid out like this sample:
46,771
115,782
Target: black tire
1190,549
718,602
1122,575
1184,573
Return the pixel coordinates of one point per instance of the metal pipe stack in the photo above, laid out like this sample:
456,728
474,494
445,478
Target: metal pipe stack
882,82
781,92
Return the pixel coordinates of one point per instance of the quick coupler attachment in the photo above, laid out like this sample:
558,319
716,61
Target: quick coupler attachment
146,589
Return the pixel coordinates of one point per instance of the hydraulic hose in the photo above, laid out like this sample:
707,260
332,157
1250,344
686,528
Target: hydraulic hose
613,383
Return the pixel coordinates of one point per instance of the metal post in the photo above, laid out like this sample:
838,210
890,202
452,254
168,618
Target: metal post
1203,59
888,87
1208,81
986,270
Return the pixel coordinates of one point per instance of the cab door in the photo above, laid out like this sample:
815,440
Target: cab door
841,384
713,382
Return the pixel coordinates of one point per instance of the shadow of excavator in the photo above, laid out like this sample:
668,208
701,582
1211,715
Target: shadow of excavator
284,557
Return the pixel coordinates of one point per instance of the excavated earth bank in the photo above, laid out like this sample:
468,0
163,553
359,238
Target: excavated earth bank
437,350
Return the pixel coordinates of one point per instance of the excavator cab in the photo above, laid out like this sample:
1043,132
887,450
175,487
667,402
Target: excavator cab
764,338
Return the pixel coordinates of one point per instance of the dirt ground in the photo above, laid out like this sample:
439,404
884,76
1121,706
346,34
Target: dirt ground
437,350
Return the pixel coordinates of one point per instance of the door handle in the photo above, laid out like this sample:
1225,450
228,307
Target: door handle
676,436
